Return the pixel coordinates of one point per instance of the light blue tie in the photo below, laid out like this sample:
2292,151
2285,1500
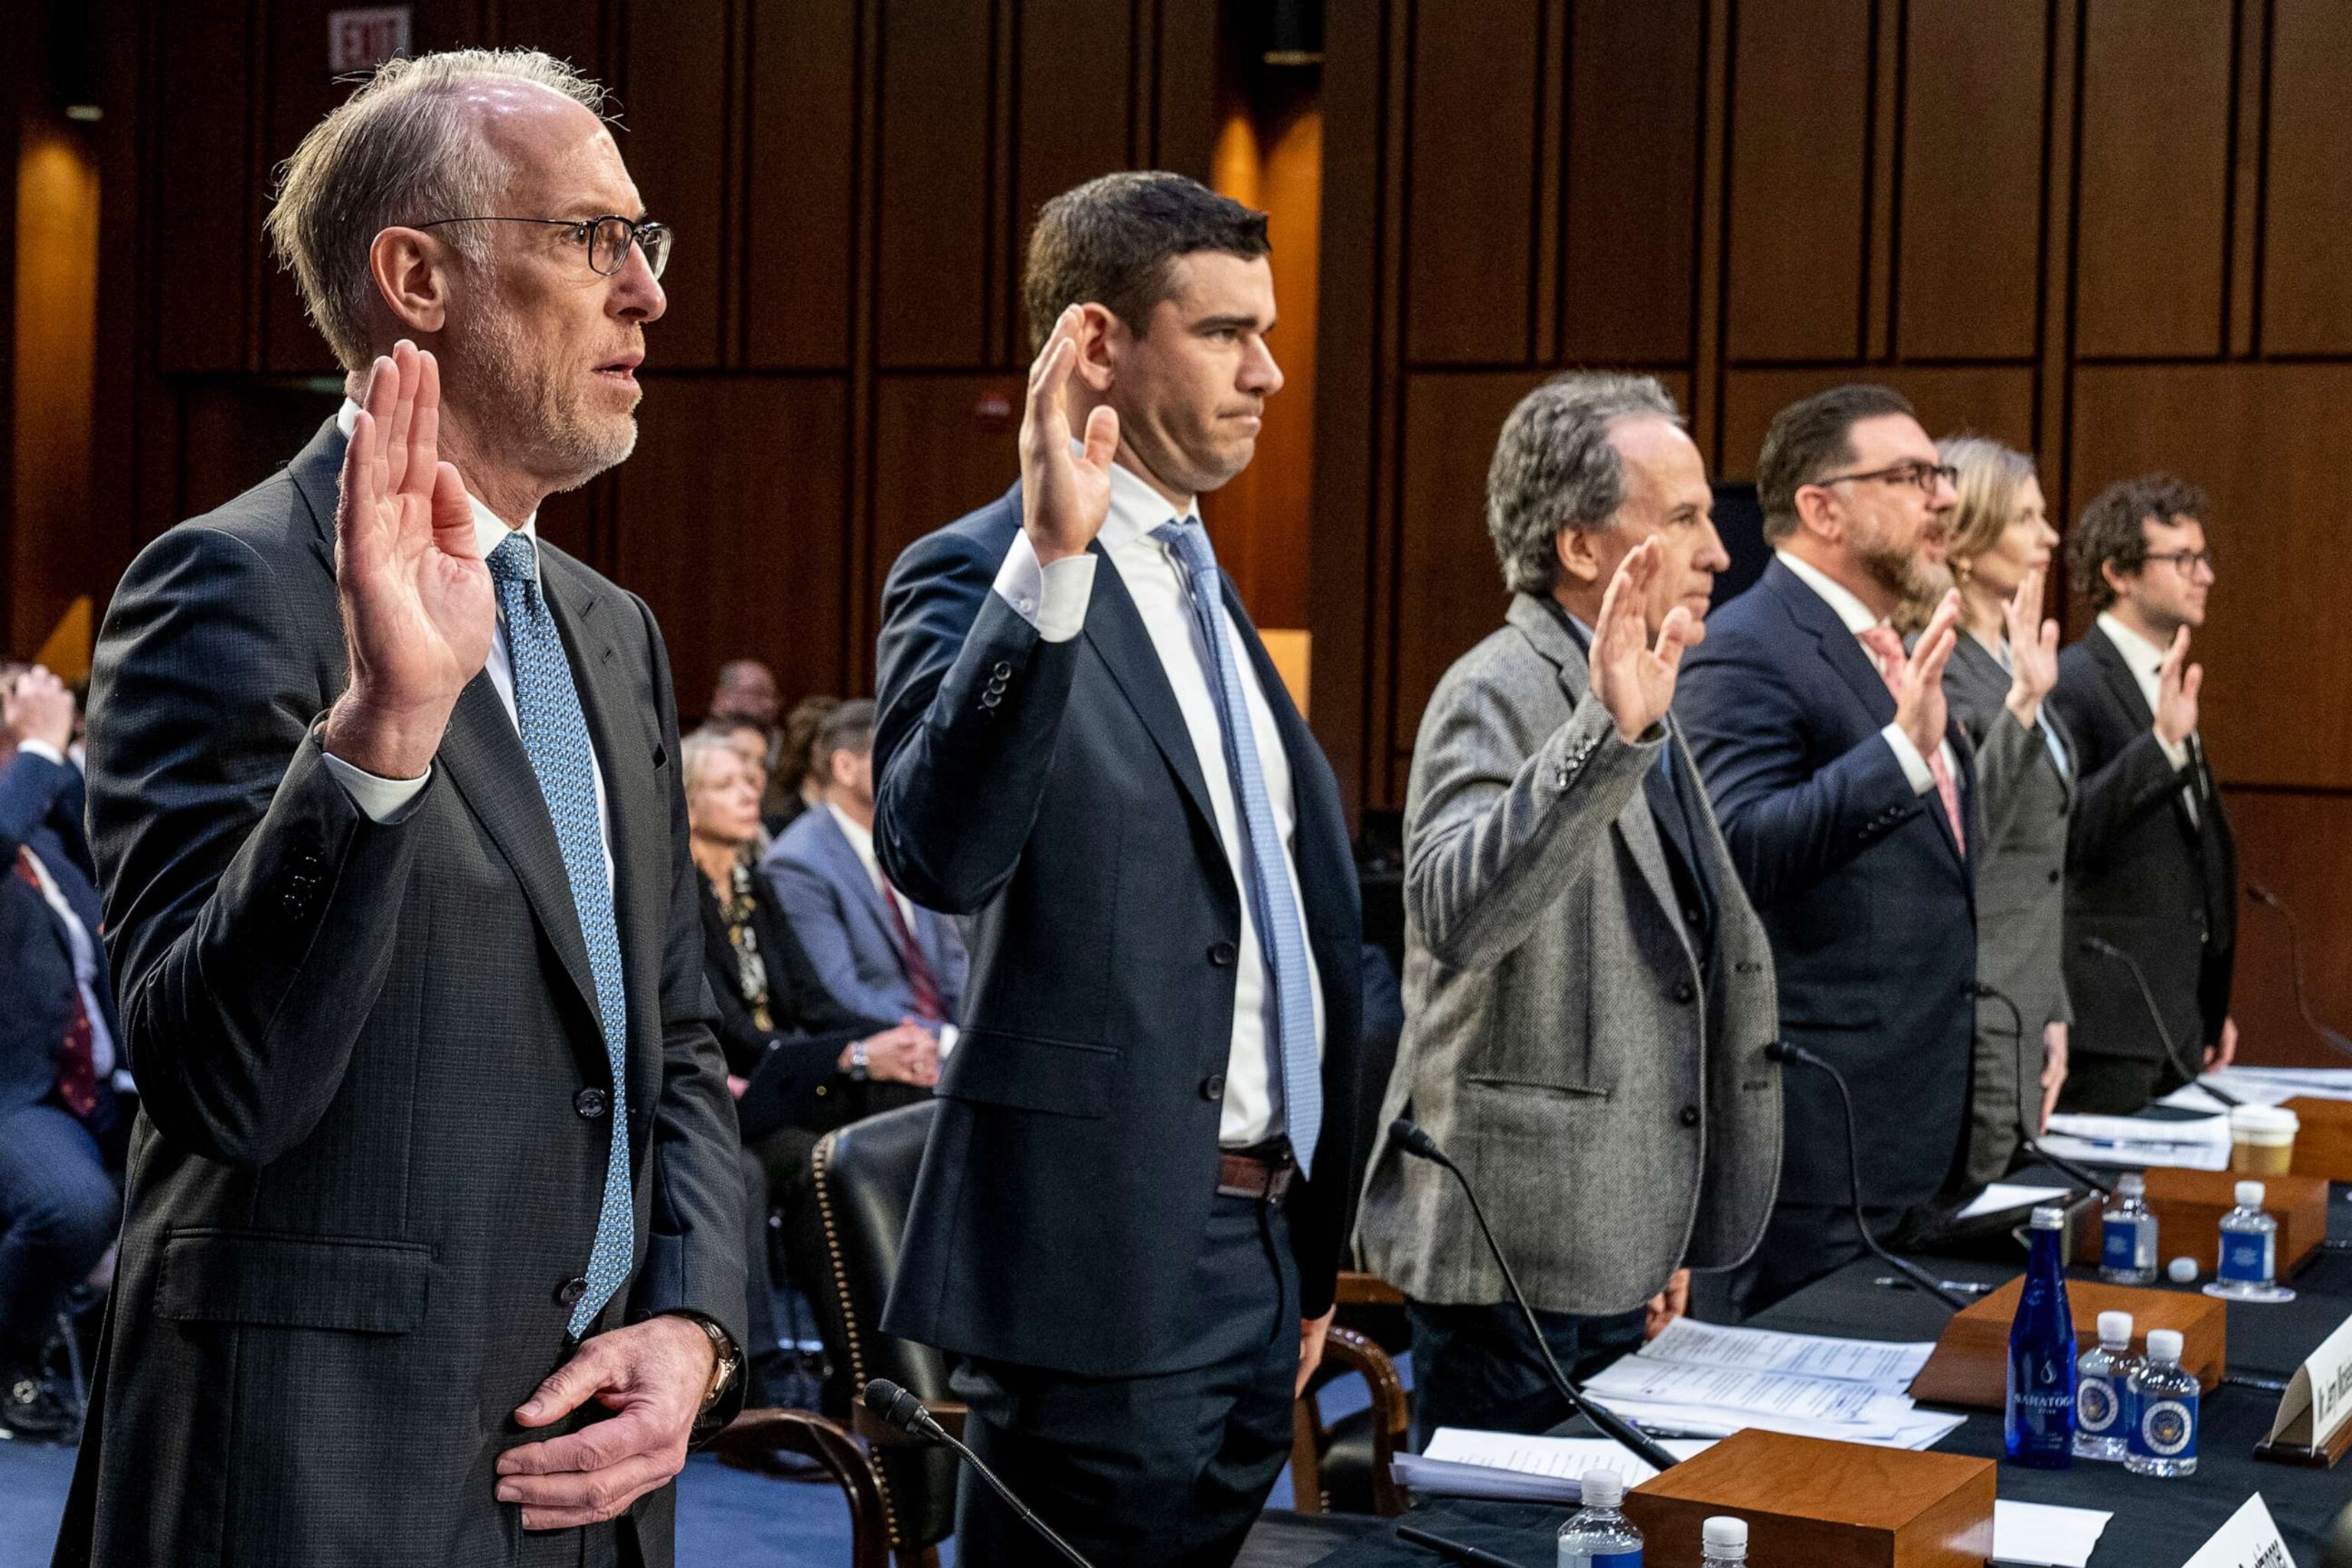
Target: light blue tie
555,736
1296,1067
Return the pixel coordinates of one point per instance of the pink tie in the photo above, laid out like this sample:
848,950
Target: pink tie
1888,647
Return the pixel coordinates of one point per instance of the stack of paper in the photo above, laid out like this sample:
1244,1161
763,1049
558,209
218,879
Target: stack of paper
1512,1468
2007,1197
2193,1143
1704,1379
2275,1085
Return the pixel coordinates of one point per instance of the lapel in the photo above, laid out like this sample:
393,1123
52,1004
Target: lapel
1992,681
1115,628
1839,649
1561,646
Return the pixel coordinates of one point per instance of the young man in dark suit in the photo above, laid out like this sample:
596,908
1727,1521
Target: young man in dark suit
1845,794
2151,866
434,1240
1137,1194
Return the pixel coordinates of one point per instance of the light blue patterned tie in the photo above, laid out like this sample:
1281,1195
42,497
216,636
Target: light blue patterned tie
1296,1067
555,735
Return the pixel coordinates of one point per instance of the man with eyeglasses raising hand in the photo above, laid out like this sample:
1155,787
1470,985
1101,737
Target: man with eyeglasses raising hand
2150,863
434,1241
1846,796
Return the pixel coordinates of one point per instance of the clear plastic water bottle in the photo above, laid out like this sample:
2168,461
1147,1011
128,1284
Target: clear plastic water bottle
1598,1536
2038,1428
2164,1411
2248,1269
2127,1234
1725,1541
2101,1381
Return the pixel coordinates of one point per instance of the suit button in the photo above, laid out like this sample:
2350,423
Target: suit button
991,698
1223,954
1213,1087
568,1294
589,1103
1003,671
1683,992
2053,873
1689,1116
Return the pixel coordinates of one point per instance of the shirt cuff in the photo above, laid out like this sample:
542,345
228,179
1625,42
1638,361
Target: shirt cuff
948,1032
379,799
49,753
1051,598
2175,751
1915,766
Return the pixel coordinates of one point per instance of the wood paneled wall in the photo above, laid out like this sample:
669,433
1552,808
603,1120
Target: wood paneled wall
2109,231
840,365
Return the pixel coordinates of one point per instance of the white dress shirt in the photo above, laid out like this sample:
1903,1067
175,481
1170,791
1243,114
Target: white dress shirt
1053,599
383,799
79,942
2147,663
1849,609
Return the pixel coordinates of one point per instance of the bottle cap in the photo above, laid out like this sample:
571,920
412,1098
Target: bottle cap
1606,1489
2050,1217
2132,1184
2164,1345
2115,1328
2250,1194
2183,1271
1724,1533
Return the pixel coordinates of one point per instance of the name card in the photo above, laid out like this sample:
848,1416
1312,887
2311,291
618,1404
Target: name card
2249,1540
2318,1399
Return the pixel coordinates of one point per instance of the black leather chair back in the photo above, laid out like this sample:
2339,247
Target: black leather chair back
864,1176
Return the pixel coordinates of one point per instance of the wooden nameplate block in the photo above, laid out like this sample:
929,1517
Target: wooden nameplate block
2189,1206
2323,1145
1822,1504
1970,1365
2312,1456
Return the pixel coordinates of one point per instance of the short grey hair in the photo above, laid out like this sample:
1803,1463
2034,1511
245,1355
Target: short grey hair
401,150
1556,468
695,755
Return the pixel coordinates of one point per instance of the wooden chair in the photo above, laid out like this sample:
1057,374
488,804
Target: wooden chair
1344,1466
753,1440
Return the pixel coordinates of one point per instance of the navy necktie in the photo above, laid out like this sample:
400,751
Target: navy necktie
555,737
1296,1067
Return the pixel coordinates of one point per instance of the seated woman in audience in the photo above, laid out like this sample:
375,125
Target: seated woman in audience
2000,544
827,1066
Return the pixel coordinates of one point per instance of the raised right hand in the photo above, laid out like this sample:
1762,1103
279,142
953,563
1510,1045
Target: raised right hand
905,1053
2176,684
38,707
1064,496
1919,705
2032,650
418,611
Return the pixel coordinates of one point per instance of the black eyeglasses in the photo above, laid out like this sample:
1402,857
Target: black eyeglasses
2185,561
606,239
1925,475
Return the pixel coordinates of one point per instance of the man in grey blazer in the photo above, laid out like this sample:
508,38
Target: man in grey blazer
1588,994
880,954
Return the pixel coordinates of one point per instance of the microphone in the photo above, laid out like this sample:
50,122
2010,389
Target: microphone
1411,1140
2277,906
2106,949
902,1410
1784,1051
2028,1137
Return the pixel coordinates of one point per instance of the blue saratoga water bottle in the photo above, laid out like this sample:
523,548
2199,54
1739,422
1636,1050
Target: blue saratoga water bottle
1598,1536
2164,1411
2127,1234
2038,1429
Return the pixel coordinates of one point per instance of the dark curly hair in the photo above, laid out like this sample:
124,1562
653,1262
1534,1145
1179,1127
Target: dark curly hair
2110,530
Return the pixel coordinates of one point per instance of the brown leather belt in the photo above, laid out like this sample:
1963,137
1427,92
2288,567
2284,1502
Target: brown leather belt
1244,1176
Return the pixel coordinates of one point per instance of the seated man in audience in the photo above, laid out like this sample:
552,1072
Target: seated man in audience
2151,866
834,1065
61,1132
1846,795
1583,971
746,689
880,954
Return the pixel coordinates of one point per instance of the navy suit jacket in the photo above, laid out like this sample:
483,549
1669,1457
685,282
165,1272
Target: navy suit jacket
1870,904
836,912
1053,790
40,809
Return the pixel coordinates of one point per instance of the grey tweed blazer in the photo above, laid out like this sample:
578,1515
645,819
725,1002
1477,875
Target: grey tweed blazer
1618,1116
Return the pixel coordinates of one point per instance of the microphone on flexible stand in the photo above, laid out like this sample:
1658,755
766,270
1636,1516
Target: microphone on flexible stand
1786,1051
2106,949
902,1410
2030,1140
1411,1140
2277,906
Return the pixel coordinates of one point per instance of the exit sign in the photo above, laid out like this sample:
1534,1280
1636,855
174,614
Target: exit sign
364,38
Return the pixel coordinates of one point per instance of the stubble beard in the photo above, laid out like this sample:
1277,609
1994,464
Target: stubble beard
531,414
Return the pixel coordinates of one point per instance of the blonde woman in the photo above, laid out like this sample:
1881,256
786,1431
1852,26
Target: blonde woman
2005,662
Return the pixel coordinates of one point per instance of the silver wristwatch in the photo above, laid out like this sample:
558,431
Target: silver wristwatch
857,1064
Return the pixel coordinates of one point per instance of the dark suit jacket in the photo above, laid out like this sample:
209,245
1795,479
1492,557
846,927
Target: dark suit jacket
373,1135
2140,873
40,809
1053,789
1870,906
